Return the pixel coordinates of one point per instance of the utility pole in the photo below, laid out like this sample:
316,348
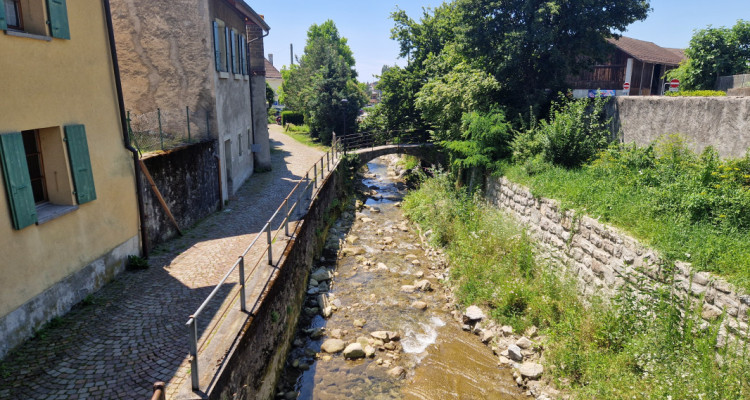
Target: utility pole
291,53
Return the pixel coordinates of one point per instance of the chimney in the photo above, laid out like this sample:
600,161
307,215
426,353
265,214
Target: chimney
270,58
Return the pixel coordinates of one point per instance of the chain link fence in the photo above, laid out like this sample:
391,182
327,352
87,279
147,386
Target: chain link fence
167,129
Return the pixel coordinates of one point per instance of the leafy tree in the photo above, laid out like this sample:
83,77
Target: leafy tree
399,89
324,79
445,98
270,96
532,46
714,52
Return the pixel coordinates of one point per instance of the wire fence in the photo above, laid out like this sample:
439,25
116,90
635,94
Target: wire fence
167,129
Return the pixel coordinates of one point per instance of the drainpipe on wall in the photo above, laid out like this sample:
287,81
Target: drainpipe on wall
124,123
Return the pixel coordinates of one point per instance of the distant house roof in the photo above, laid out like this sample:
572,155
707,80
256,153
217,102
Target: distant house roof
271,71
648,51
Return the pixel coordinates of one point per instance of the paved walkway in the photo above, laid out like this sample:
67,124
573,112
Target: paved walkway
132,332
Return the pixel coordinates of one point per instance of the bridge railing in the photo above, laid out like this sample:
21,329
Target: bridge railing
297,204
361,140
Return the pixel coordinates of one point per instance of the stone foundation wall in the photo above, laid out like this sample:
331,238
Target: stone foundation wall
602,258
21,323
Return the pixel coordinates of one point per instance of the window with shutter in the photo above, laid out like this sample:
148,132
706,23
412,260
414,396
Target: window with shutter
233,40
80,163
58,19
17,180
243,46
227,47
217,46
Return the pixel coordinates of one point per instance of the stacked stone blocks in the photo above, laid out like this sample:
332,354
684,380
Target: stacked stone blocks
603,259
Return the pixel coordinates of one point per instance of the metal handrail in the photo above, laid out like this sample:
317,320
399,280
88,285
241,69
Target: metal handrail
331,159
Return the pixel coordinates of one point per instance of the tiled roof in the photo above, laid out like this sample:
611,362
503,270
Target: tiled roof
648,51
271,71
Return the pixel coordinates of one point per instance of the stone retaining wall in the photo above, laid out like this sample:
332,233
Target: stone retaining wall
188,179
603,258
255,362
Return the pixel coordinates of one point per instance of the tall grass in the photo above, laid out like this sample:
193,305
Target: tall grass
689,207
632,347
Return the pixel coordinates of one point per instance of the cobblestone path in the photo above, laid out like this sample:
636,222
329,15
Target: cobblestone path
132,333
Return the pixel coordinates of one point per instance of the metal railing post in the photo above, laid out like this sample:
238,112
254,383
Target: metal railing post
286,220
193,330
328,160
270,246
243,307
307,185
161,134
315,175
299,199
322,171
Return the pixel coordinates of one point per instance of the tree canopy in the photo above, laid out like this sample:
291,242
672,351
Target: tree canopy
714,52
323,86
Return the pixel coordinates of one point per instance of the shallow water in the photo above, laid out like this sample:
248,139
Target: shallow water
440,360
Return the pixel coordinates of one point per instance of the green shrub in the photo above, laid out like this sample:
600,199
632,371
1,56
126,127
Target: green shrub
292,117
292,128
137,262
696,93
576,131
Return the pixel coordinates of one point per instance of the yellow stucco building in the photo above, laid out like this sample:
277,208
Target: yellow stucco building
68,207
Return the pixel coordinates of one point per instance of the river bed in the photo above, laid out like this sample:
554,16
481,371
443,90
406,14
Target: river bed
384,293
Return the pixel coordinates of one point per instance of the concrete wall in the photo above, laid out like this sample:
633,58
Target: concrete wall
188,179
49,84
254,365
721,122
602,258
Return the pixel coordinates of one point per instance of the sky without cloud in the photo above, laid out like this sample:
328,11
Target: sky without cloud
367,25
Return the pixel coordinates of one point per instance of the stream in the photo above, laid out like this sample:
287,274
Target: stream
379,290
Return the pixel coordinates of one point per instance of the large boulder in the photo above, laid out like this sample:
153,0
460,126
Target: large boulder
530,370
333,346
473,314
514,353
354,351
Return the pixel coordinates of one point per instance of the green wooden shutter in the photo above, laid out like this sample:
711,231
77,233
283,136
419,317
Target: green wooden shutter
217,46
17,180
58,19
3,23
80,163
243,46
234,51
228,47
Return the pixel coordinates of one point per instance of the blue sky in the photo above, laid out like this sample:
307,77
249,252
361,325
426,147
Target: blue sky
366,24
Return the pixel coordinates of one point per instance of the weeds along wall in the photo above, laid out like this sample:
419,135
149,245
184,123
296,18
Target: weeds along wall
721,122
602,259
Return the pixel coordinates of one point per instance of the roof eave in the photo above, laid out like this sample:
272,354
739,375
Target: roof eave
254,16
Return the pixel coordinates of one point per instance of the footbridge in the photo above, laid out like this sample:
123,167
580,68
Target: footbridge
370,145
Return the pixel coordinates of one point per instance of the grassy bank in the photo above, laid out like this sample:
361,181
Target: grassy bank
689,207
301,133
630,349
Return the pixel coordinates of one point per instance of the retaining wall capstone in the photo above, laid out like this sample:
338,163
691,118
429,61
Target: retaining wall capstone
603,259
